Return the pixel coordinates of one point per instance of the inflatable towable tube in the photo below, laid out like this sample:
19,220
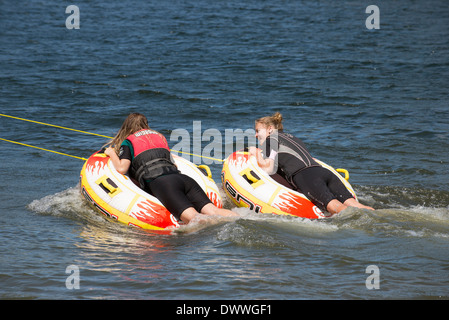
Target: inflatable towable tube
247,185
118,197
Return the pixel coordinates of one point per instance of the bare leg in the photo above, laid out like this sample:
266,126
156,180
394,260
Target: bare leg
335,206
188,214
210,209
351,202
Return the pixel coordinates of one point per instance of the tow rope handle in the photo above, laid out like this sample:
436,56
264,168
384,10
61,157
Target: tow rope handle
345,172
206,169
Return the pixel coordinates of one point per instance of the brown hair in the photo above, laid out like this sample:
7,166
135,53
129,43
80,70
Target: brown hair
274,120
133,123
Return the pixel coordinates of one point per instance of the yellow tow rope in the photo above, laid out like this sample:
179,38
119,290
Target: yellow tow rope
346,173
29,145
86,132
52,125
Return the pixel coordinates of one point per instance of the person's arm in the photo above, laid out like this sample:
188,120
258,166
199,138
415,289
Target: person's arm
173,160
121,165
267,164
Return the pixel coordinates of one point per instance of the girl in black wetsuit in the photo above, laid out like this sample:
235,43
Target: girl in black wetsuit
288,156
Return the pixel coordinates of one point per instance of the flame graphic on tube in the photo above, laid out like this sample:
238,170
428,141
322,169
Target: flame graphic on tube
239,160
213,196
290,203
298,206
152,213
98,165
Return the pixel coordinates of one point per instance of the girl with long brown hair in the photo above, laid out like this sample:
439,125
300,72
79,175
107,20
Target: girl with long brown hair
145,154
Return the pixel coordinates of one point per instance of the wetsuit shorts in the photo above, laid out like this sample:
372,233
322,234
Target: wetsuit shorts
321,186
177,192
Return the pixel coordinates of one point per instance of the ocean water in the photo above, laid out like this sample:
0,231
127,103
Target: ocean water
372,101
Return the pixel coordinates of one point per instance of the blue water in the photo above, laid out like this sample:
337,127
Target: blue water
372,101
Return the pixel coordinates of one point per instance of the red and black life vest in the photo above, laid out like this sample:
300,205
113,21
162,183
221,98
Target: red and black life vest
152,156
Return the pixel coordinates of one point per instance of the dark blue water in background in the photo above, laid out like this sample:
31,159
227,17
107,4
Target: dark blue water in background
372,101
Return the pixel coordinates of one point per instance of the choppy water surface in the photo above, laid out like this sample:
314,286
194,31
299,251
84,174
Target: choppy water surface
371,101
